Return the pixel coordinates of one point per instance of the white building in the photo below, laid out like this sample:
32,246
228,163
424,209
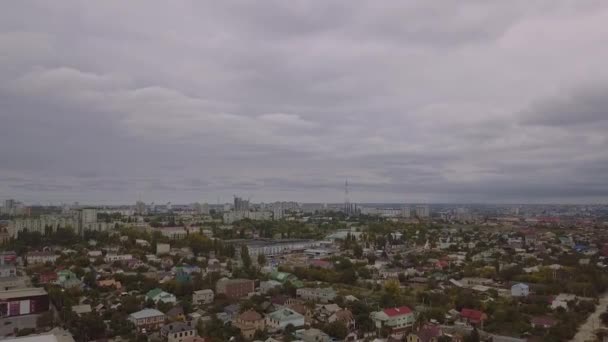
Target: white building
281,318
163,248
41,257
277,247
520,290
323,295
233,216
202,297
118,257
423,211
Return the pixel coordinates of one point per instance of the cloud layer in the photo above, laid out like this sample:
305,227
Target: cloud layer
411,101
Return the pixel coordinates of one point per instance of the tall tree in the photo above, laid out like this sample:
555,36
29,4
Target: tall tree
245,257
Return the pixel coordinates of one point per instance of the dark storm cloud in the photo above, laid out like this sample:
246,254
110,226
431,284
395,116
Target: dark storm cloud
411,101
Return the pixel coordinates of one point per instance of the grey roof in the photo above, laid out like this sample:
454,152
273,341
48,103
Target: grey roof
146,313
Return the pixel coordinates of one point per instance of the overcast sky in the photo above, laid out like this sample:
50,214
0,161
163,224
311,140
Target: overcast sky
412,101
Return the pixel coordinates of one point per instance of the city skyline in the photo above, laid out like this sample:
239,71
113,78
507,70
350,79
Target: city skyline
412,102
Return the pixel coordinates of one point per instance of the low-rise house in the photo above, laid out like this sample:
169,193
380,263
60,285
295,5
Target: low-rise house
249,322
561,301
176,313
543,322
398,320
520,290
94,254
472,317
313,335
302,310
281,318
47,278
147,319
268,285
202,297
142,242
322,295
117,257
178,332
428,333
8,271
235,288
157,295
33,258
109,283
67,279
345,316
162,248
82,309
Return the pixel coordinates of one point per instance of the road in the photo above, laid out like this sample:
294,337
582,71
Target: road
586,331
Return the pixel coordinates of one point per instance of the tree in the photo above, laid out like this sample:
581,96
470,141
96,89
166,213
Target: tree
473,336
358,251
245,257
336,329
261,259
45,320
288,332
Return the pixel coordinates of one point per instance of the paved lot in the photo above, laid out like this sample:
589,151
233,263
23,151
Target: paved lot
7,325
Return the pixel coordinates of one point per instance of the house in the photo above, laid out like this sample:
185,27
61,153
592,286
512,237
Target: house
561,301
428,333
109,258
472,317
147,319
345,316
109,283
176,313
268,285
202,297
142,243
157,295
67,279
249,322
234,288
398,320
82,309
162,248
33,258
323,295
520,290
178,331
302,310
543,322
281,318
313,335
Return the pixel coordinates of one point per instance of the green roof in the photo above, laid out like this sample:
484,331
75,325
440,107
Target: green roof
153,293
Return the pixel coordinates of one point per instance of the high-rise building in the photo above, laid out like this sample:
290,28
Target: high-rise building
423,211
240,204
278,212
205,209
405,212
140,208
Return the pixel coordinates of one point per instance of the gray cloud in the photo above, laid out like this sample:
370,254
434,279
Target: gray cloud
416,101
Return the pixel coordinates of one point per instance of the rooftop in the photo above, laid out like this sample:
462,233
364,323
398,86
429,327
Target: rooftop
14,293
392,312
146,313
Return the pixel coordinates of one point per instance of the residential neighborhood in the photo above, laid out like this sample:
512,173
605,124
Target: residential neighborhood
334,277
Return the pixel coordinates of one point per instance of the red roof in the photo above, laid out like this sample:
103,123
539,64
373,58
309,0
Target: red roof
473,315
392,312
